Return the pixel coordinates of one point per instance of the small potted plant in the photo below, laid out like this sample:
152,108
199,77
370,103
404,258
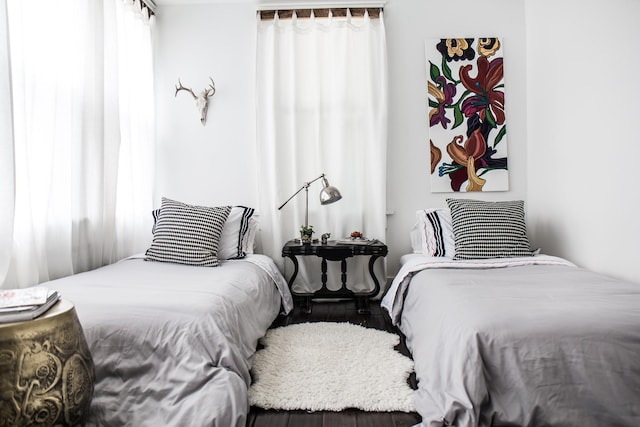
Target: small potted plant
306,234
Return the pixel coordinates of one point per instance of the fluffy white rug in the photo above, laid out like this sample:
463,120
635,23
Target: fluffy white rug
330,367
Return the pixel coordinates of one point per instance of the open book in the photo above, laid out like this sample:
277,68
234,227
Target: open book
17,305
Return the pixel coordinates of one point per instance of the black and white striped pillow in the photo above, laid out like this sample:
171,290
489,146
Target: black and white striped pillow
233,239
187,234
489,229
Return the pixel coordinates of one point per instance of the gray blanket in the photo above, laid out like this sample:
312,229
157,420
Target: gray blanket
528,345
172,344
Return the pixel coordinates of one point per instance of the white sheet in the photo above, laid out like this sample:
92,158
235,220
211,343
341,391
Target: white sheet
392,300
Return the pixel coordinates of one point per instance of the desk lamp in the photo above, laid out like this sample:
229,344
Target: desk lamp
328,195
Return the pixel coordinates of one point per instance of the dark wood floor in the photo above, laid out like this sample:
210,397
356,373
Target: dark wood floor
340,311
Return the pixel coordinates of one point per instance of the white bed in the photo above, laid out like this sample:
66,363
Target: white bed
172,344
514,340
519,342
172,332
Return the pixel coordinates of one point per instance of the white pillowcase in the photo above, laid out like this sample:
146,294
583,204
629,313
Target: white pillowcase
249,241
432,234
232,239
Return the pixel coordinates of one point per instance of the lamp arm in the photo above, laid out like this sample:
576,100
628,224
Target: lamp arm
305,186
294,195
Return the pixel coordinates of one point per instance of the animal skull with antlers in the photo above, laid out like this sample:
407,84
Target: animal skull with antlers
202,100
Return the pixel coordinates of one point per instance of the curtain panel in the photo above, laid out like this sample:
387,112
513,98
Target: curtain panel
321,100
80,144
7,196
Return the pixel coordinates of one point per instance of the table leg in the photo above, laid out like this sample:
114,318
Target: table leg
305,301
305,305
362,305
376,283
323,269
295,271
362,301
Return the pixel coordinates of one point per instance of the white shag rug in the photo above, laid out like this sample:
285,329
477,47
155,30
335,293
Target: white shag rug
330,367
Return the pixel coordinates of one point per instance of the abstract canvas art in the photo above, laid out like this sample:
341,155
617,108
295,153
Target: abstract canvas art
467,125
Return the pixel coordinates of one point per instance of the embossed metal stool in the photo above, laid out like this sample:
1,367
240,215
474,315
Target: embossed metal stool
46,370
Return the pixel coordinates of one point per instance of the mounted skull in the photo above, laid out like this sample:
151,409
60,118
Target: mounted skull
202,100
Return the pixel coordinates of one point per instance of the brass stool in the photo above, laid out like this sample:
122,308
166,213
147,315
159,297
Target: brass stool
46,370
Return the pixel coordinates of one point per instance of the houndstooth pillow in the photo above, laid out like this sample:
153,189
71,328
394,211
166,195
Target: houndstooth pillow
489,229
235,239
187,234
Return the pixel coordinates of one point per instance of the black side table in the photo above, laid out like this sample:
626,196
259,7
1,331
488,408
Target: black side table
333,251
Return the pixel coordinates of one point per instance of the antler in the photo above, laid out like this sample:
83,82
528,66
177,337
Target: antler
212,89
179,87
202,99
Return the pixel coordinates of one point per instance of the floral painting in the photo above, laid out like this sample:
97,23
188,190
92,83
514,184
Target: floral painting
467,127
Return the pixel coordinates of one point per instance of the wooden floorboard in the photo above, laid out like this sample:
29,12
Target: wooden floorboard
337,311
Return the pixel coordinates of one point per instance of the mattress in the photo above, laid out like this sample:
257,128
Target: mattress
521,341
172,344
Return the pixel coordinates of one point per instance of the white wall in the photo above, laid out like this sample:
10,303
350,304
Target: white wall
549,110
212,164
409,24
583,132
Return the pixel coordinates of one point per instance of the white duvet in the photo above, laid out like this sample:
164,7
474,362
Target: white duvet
172,344
531,342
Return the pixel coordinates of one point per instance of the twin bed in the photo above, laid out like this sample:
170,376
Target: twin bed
526,340
172,342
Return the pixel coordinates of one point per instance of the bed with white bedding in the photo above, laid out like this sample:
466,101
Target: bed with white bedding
172,344
172,332
518,341
521,342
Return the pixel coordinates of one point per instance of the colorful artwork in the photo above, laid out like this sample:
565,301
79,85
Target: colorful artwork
467,130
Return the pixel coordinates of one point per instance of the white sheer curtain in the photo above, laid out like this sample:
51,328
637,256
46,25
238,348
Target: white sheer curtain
322,107
6,146
81,149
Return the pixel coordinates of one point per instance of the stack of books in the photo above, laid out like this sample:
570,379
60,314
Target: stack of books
356,241
18,305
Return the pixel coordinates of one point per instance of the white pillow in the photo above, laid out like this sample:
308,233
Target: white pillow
249,241
432,234
232,245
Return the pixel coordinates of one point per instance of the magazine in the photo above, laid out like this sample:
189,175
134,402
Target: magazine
35,295
17,305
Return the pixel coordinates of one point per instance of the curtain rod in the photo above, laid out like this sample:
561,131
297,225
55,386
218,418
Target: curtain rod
322,5
374,13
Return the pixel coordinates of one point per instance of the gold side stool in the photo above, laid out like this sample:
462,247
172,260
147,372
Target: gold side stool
46,370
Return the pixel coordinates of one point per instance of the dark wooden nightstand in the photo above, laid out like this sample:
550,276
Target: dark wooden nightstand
333,251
